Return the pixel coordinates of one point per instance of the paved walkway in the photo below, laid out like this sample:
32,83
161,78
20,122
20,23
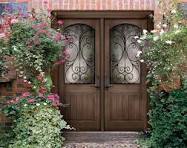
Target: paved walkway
101,140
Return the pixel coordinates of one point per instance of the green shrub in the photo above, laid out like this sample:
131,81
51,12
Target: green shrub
168,119
37,127
36,122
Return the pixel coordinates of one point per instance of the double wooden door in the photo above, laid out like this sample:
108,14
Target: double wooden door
102,83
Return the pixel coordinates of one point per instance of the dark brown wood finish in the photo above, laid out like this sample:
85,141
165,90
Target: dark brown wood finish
82,100
125,104
120,107
75,14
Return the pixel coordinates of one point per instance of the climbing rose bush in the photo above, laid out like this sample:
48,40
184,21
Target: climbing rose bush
35,48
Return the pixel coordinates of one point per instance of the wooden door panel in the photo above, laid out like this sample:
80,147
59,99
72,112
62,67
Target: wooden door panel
125,91
79,104
79,77
82,113
124,106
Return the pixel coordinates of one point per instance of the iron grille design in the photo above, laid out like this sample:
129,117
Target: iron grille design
80,66
125,66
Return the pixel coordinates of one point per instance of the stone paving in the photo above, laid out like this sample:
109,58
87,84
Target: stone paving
101,140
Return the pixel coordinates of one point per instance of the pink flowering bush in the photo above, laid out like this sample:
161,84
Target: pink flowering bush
13,106
36,48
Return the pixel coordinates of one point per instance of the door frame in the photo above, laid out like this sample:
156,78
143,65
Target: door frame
101,15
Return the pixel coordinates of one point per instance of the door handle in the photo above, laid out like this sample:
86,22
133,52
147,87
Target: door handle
107,83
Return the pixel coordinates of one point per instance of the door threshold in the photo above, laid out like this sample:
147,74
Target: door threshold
100,136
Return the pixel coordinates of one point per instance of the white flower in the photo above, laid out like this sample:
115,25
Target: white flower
20,76
2,35
177,31
164,25
25,105
153,31
24,77
173,11
169,42
42,73
161,32
29,82
145,31
139,41
37,104
143,37
138,53
136,37
34,87
141,60
45,80
21,72
45,103
158,26
15,48
155,38
176,26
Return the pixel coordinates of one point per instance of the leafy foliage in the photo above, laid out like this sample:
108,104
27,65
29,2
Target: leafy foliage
168,119
165,53
38,126
35,47
37,121
32,42
3,53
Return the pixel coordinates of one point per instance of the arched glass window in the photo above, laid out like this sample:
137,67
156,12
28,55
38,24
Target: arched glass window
80,66
125,66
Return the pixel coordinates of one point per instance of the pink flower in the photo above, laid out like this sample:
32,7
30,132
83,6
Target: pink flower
31,100
41,95
58,37
25,94
13,21
51,97
60,22
54,98
42,90
39,26
13,101
2,35
49,10
45,2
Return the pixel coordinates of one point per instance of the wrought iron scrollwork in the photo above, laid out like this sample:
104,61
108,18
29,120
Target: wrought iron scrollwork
125,66
80,66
